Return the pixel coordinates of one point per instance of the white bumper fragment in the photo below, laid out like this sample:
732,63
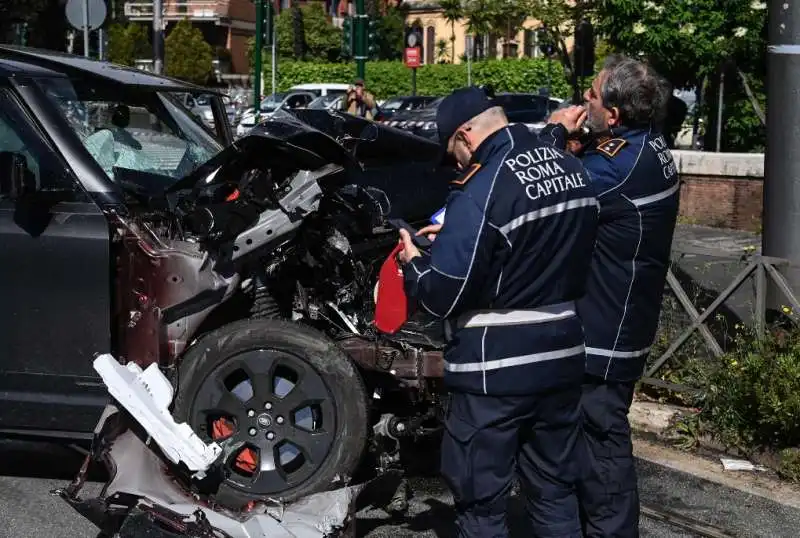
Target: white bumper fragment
146,395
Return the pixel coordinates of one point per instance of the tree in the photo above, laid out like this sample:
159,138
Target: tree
187,55
479,20
46,23
299,37
127,43
686,41
441,51
560,19
496,18
695,44
391,32
453,11
321,39
506,19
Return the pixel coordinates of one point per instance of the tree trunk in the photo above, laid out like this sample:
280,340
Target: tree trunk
453,40
299,33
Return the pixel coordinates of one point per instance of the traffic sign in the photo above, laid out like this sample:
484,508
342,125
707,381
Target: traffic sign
96,9
412,57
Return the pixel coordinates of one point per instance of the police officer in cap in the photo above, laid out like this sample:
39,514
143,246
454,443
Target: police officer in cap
636,183
504,271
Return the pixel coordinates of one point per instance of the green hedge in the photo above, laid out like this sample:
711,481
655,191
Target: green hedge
387,79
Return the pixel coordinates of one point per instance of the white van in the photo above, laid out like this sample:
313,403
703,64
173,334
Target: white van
320,89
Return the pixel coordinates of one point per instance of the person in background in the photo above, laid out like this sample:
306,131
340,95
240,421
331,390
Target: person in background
359,101
504,270
637,186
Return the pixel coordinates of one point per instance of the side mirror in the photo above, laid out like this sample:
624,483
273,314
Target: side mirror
16,179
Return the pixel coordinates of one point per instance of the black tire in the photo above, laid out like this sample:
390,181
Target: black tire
216,351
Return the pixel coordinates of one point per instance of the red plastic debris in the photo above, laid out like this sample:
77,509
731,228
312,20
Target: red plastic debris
391,306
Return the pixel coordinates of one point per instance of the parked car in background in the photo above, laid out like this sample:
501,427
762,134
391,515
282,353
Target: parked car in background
285,100
200,106
321,89
332,101
528,108
394,105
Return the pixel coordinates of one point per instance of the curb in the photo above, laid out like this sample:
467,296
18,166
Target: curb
649,422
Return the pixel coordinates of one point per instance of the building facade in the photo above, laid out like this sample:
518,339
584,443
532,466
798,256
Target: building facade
436,28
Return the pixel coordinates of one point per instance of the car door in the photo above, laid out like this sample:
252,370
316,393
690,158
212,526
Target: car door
54,286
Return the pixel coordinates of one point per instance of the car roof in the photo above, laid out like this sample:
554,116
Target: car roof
37,62
320,86
10,68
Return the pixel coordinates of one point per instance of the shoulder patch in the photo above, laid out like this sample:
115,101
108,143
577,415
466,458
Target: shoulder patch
467,175
611,147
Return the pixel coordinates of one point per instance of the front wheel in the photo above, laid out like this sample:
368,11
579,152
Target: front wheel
286,404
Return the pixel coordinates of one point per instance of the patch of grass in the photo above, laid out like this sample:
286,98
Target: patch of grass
789,466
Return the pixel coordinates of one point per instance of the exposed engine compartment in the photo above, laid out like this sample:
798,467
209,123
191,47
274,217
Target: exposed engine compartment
271,230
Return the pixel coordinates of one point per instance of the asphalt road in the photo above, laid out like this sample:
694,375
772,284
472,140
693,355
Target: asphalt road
29,471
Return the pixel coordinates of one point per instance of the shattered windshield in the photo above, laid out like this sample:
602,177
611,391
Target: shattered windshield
134,129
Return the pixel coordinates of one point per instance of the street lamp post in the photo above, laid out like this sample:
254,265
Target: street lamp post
781,216
361,39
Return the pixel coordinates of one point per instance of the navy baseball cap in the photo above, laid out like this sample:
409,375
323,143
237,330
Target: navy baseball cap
458,108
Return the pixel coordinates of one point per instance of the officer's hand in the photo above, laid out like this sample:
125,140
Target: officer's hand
410,250
431,230
571,118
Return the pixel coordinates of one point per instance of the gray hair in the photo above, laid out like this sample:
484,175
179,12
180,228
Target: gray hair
489,118
636,90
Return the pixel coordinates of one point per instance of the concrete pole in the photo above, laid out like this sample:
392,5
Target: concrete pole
86,28
158,36
257,68
781,235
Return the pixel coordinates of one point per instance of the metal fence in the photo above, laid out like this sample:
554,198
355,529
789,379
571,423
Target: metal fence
758,269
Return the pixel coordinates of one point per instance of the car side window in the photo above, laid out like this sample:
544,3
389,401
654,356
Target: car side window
18,137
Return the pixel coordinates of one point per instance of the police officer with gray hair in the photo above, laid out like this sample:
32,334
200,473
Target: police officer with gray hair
637,186
504,271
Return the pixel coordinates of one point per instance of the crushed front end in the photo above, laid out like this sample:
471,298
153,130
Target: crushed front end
162,476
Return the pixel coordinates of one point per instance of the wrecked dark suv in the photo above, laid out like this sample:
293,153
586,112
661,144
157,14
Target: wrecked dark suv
246,271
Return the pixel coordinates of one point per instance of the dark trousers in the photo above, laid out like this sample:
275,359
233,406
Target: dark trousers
608,492
488,438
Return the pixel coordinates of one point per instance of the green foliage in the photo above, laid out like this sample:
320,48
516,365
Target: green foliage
320,39
299,31
441,51
686,40
742,129
753,394
387,79
128,42
789,465
187,55
452,11
391,32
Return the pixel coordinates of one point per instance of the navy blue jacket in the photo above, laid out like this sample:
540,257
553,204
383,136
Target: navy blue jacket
512,257
637,186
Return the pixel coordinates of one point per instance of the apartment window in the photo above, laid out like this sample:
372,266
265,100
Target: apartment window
531,44
491,51
479,48
430,45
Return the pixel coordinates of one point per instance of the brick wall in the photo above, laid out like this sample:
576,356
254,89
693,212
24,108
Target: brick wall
722,202
721,189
